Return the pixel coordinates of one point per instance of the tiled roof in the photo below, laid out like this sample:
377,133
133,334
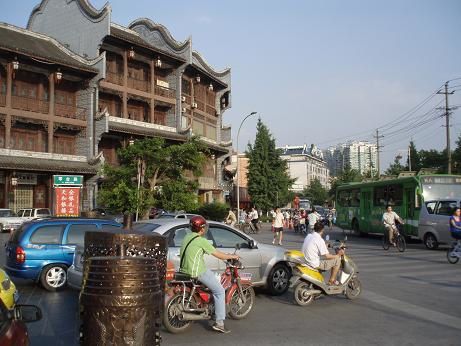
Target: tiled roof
39,164
39,46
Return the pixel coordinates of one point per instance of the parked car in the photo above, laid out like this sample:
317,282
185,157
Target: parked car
8,293
13,331
175,216
155,212
107,214
9,221
34,213
42,250
265,263
434,227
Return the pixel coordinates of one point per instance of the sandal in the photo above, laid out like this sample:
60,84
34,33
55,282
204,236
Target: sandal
333,283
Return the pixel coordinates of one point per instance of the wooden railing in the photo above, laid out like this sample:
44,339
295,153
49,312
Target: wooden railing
115,78
210,110
138,84
165,92
2,99
188,99
200,105
159,118
67,111
30,104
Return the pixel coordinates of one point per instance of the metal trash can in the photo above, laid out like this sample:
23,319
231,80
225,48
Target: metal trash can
123,289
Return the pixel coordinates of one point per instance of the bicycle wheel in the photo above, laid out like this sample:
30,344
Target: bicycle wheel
401,243
451,256
386,243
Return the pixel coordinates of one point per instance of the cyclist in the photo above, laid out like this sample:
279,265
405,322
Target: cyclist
389,219
193,248
455,224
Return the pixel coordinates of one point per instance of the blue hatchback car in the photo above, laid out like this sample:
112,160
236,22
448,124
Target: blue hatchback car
42,250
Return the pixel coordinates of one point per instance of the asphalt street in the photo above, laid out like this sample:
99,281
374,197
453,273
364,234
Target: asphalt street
409,298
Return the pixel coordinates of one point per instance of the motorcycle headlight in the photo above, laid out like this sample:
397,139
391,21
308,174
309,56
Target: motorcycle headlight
6,284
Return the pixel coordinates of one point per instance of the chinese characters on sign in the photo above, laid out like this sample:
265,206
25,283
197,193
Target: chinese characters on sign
67,201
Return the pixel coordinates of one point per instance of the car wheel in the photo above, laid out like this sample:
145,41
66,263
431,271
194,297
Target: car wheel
54,277
279,279
431,241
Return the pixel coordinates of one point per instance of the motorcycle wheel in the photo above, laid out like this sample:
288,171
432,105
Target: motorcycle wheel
401,244
238,309
353,289
171,314
452,259
301,294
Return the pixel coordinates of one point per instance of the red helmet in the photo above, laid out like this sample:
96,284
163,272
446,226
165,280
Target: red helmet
197,222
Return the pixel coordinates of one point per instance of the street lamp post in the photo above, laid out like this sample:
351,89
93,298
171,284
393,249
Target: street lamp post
238,165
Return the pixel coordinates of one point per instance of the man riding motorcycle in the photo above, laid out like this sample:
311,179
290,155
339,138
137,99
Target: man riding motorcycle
314,247
193,248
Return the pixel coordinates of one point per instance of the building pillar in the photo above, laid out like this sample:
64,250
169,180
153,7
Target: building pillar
51,112
125,84
152,94
9,91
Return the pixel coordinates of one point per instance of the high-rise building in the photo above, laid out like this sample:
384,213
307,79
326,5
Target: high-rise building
358,155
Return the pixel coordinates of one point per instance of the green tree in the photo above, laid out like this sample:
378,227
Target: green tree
456,157
434,159
414,157
395,168
315,192
268,178
164,184
347,175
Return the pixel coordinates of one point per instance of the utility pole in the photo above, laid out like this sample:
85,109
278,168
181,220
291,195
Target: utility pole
409,158
447,123
378,150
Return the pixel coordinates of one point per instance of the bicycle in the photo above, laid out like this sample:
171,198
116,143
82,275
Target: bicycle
399,240
454,252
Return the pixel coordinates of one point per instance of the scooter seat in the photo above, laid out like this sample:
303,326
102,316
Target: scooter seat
178,276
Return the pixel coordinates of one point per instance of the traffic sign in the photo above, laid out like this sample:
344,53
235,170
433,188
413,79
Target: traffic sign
67,180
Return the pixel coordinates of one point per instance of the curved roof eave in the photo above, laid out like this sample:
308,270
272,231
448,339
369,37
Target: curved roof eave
84,5
166,35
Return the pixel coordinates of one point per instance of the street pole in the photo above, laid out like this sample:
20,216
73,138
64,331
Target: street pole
447,123
378,150
238,166
409,158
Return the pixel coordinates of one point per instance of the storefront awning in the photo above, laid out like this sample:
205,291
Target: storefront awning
47,165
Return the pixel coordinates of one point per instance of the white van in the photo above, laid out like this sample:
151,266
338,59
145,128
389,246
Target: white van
434,226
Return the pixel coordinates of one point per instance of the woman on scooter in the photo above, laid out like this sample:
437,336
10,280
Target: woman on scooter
314,247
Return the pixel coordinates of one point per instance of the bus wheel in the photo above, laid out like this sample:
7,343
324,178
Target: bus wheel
431,241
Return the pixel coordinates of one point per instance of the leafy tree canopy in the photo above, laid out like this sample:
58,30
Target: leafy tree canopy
315,192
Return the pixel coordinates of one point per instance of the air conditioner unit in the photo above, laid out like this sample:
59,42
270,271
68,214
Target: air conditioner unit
183,98
194,104
184,110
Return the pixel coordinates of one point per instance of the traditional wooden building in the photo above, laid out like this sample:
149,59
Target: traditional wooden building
45,109
148,84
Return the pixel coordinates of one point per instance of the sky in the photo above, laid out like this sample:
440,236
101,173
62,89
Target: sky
319,72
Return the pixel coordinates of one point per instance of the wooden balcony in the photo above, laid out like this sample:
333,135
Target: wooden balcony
165,92
200,105
160,118
210,110
30,104
115,78
188,99
72,112
139,84
2,99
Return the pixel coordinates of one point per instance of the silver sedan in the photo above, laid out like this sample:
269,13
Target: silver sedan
266,264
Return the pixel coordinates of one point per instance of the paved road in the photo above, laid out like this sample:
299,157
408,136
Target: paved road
409,298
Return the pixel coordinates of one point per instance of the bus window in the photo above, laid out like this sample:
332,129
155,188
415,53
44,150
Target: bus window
355,198
380,196
395,195
344,198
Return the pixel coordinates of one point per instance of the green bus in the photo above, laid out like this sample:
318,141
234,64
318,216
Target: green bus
360,206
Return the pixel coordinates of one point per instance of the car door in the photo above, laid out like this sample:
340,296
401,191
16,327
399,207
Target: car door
225,239
442,218
175,240
75,235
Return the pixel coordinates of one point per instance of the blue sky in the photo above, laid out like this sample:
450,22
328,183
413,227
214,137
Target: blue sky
318,71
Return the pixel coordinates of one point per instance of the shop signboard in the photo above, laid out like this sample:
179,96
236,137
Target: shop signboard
67,201
67,180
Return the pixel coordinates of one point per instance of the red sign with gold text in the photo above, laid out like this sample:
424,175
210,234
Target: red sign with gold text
67,201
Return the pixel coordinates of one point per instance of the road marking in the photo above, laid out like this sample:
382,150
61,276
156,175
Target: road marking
414,310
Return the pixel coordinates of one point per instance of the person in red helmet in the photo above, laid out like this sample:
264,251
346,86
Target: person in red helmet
193,249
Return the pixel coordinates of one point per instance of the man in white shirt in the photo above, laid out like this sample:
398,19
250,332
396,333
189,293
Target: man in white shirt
313,218
389,220
314,247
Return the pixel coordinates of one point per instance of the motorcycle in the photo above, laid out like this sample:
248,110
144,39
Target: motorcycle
454,252
309,284
188,300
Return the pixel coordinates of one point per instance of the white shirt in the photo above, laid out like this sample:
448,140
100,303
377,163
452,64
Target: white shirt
389,218
278,223
313,247
254,215
313,218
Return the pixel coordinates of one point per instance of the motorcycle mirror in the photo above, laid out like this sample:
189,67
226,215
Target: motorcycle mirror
327,238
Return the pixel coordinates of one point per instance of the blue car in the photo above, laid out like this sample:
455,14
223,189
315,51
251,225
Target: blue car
42,250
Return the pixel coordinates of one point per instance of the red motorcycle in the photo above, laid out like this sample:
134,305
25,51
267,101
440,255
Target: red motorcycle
188,300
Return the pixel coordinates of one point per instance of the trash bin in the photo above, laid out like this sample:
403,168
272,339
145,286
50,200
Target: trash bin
123,289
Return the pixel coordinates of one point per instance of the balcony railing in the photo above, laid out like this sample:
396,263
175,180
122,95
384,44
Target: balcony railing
115,78
210,110
30,104
188,99
165,92
2,99
138,84
67,111
159,118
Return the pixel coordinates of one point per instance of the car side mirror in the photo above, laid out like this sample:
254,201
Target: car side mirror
27,313
237,246
251,244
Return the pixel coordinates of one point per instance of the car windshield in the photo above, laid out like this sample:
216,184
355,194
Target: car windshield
6,213
440,191
145,227
43,212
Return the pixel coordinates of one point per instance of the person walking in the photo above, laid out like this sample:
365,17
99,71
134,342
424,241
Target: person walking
231,219
278,226
254,216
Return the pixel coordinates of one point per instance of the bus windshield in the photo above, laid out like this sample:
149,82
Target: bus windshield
441,187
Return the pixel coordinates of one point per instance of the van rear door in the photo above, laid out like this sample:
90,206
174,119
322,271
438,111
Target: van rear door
74,236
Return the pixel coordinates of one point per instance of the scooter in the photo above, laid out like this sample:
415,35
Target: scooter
454,252
309,284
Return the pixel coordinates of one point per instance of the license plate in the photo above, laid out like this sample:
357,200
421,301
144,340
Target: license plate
246,276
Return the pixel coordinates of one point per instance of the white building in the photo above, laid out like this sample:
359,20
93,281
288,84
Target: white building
306,164
358,155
